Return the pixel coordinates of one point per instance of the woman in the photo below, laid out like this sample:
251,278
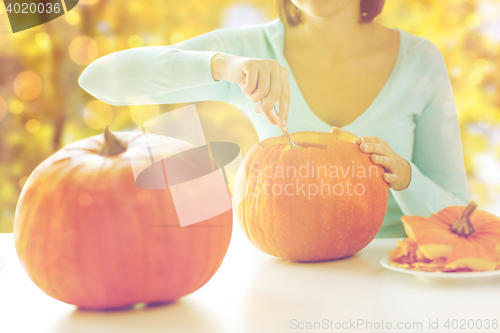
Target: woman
328,67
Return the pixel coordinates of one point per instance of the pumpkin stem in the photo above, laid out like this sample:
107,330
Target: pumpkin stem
112,145
463,227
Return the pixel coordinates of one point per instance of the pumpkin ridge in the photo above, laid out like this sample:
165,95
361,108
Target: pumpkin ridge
280,252
481,218
245,192
473,250
259,228
271,232
251,207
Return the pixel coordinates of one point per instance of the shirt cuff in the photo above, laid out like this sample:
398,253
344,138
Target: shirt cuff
413,200
192,68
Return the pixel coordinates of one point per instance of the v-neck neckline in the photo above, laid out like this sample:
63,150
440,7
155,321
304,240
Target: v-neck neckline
299,100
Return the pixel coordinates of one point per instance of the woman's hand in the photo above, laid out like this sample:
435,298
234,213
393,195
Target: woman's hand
398,170
260,80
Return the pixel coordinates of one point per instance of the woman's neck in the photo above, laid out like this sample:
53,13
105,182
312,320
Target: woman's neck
339,35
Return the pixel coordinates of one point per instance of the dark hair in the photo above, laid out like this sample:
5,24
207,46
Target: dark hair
290,14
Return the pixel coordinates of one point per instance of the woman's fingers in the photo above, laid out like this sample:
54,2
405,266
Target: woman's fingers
391,179
272,98
374,148
265,81
258,109
250,83
263,85
369,139
284,99
269,118
398,169
386,162
336,129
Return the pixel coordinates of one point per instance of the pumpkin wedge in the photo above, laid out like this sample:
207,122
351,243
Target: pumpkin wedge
461,237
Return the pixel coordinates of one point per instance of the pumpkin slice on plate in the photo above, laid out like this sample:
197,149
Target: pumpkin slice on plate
455,239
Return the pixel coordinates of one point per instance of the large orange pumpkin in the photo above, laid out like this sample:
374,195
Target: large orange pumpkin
87,235
326,200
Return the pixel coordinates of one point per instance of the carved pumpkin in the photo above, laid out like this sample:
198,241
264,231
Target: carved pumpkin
465,237
87,235
331,212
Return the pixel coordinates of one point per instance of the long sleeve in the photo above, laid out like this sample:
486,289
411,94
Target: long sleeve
438,174
159,75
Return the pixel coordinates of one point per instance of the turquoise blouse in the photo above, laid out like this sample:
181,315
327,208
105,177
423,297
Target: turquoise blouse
414,112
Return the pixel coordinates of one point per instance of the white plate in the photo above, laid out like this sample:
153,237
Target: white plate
440,275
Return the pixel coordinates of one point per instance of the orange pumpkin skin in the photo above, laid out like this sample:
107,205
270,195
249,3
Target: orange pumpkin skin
304,227
479,251
87,235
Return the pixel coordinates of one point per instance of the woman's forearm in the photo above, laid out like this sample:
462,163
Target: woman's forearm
125,77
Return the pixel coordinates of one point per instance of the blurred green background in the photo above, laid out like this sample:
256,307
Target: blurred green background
42,108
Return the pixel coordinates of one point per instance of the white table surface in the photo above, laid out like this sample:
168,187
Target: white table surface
255,292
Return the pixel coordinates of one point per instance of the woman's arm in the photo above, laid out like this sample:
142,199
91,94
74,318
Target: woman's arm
188,72
438,176
161,75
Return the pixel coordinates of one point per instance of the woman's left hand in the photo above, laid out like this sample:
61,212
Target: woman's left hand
398,170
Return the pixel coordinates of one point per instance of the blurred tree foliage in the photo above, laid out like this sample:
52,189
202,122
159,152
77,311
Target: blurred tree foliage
42,108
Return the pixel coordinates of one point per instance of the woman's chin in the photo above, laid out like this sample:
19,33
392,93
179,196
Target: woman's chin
321,8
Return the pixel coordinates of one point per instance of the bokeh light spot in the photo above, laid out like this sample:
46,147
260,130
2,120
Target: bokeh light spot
177,37
142,113
135,6
27,85
485,120
22,181
144,197
105,45
473,20
83,50
135,41
475,77
456,71
16,107
72,17
32,125
480,64
97,114
42,39
84,200
467,98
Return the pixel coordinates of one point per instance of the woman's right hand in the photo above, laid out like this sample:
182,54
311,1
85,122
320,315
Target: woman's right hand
259,79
